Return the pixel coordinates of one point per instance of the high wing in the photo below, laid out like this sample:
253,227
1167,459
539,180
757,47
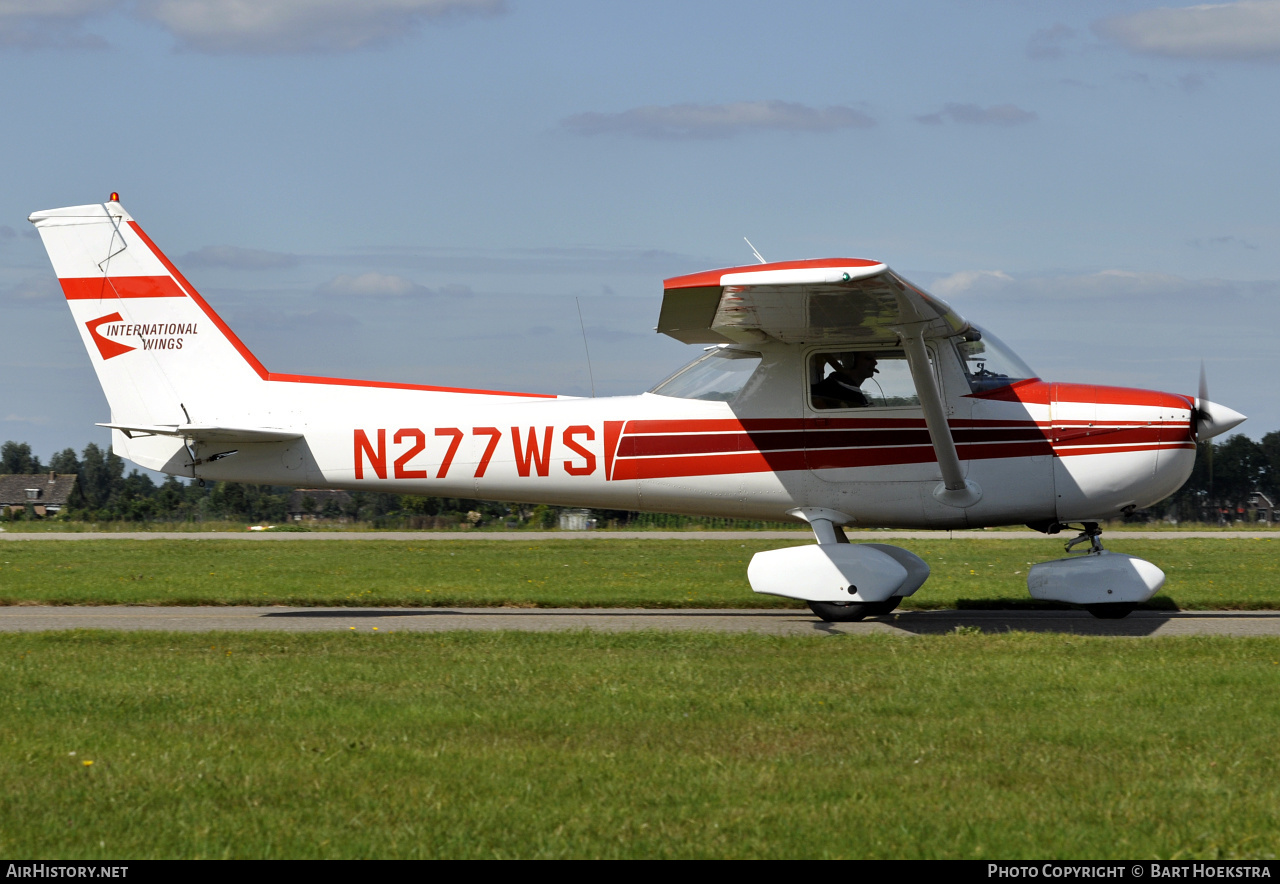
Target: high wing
826,300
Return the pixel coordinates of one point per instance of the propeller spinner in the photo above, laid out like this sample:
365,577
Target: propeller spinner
1210,418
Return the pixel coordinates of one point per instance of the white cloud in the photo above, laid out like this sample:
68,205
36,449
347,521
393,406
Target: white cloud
237,258
270,26
1246,29
42,24
717,120
972,114
373,285
1113,285
235,26
969,279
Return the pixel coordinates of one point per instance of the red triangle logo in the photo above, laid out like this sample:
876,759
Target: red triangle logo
107,347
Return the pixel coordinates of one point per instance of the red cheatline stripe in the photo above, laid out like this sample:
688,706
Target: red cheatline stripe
709,465
973,442
824,424
669,445
392,385
999,450
834,459
712,425
99,287
1107,436
648,446
961,435
817,424
1076,452
848,458
1125,423
288,378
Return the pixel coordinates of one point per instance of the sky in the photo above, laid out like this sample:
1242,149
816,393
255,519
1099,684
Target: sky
450,191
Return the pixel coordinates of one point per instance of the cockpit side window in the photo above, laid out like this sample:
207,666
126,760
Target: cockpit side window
717,376
988,363
860,379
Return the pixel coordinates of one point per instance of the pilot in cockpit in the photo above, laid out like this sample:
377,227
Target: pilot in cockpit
842,388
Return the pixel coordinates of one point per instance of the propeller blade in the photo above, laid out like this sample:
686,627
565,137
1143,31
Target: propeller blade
1210,419
1202,401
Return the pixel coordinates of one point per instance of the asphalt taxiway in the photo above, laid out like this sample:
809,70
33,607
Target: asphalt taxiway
40,618
801,535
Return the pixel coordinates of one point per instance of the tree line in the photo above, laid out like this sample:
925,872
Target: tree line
104,493
1225,476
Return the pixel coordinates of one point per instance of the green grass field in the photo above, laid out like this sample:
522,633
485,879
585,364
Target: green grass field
1202,573
637,745
1012,746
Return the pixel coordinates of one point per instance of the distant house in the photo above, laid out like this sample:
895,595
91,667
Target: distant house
314,504
47,493
1262,508
576,520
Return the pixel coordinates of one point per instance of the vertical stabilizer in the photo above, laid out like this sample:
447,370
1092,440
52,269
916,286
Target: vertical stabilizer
155,344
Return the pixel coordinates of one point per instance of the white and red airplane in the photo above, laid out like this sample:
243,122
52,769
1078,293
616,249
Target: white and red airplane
831,391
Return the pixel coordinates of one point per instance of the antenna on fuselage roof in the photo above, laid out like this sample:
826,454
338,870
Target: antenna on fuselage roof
759,257
583,326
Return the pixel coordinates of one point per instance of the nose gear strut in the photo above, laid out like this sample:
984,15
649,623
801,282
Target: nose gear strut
1092,533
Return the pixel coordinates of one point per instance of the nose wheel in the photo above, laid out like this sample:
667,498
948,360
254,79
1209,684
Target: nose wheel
1092,581
1111,611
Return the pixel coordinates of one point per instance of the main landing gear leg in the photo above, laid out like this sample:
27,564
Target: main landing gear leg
827,531
840,581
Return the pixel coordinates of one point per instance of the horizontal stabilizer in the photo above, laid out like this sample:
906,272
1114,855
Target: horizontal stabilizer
205,433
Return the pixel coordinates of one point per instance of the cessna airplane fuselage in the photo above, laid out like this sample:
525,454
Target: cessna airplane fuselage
948,429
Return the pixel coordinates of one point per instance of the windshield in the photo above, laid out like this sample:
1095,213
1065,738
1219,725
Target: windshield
988,363
717,376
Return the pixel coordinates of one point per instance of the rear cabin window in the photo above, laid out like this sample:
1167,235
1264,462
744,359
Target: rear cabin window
717,376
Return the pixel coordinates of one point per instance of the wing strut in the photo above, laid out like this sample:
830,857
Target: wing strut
955,489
